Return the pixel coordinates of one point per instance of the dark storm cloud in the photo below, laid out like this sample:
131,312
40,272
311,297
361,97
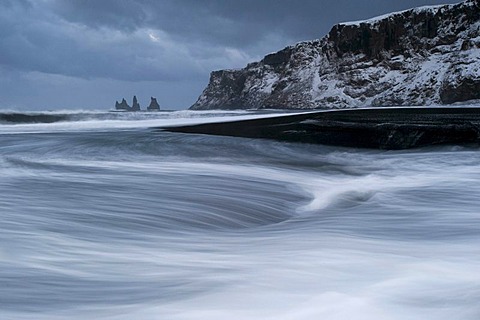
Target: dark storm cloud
201,21
164,41
230,22
34,39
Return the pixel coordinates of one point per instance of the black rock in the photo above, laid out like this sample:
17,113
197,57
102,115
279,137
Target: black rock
122,106
154,106
135,105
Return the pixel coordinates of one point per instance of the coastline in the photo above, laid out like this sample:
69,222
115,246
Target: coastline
381,128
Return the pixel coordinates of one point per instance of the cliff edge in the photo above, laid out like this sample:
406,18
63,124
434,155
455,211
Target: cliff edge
422,56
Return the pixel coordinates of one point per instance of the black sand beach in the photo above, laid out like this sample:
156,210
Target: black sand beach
389,128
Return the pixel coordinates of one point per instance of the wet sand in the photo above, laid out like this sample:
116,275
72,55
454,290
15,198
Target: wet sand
389,128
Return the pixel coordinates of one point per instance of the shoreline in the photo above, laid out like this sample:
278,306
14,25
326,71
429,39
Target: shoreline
382,128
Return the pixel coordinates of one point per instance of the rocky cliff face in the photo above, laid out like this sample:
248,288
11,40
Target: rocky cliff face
422,56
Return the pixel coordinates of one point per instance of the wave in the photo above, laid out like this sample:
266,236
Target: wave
44,122
31,118
14,117
107,223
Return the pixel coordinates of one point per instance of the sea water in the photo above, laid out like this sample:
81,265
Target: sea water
104,216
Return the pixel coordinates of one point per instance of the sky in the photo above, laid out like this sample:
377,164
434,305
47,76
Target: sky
85,54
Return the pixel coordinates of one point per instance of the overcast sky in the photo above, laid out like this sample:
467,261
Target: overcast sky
85,54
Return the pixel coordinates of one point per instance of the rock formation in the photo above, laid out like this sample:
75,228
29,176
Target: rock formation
135,104
122,106
423,56
154,106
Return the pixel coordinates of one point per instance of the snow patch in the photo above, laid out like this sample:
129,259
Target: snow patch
375,20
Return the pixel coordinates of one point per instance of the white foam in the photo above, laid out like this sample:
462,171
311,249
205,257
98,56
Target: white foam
178,118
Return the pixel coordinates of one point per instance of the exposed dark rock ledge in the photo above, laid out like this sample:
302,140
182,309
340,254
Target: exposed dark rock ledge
392,128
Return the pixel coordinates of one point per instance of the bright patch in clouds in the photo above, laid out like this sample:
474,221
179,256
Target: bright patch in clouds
153,37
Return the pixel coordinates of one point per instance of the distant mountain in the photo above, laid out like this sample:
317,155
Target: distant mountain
422,56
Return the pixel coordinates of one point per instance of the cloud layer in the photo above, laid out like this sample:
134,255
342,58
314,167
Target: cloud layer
171,44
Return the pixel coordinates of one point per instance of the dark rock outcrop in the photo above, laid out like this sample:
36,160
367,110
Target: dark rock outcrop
122,106
422,56
154,106
135,104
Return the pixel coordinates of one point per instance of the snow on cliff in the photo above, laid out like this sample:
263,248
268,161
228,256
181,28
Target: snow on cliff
422,56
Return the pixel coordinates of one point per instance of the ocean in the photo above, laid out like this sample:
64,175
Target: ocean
106,216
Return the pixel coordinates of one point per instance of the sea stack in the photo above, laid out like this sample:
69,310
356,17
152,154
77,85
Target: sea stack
135,105
154,106
122,105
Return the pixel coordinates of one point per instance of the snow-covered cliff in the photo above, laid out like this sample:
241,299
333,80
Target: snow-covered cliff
422,56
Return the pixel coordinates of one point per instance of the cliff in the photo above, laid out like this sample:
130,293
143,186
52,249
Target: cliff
421,56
